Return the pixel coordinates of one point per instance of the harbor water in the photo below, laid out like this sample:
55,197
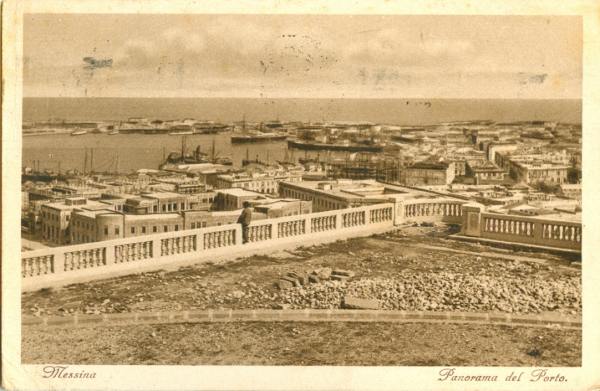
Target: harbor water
130,152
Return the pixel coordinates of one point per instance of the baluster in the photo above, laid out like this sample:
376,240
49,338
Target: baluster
29,267
44,264
68,261
37,268
80,259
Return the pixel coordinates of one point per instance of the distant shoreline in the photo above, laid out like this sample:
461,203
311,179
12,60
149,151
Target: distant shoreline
401,111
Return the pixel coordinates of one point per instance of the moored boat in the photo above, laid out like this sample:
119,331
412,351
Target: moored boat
78,132
257,138
334,147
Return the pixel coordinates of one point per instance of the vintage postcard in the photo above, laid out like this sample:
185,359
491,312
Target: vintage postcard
300,195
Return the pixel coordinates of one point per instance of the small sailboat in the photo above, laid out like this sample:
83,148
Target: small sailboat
78,132
181,133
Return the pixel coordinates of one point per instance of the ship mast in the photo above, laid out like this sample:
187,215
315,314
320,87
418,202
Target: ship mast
183,148
85,160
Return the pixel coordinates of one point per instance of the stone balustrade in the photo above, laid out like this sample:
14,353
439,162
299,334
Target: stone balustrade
538,231
446,210
64,265
323,223
218,239
135,251
291,228
260,232
37,266
353,218
85,258
178,245
83,262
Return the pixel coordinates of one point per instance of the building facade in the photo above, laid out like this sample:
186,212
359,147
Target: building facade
428,173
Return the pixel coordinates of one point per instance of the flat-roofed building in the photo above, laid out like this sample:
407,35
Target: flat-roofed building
338,194
95,225
194,219
139,225
282,207
266,181
55,218
570,190
535,172
428,173
485,172
233,199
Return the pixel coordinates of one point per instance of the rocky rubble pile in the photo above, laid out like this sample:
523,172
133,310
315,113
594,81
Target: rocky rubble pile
316,276
444,291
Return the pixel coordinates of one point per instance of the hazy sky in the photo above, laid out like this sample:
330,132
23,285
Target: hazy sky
303,56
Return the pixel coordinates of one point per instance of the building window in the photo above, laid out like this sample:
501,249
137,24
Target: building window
182,206
203,224
154,228
176,227
144,230
164,208
116,230
132,230
105,230
166,228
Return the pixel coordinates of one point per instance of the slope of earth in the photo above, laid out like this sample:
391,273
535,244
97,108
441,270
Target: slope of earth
299,343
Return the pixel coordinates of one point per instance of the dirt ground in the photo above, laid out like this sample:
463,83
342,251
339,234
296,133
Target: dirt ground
418,250
300,343
214,285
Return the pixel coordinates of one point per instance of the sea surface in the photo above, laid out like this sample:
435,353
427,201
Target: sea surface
130,152
394,111
146,151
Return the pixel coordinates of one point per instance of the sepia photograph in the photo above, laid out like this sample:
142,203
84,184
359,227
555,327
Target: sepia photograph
301,189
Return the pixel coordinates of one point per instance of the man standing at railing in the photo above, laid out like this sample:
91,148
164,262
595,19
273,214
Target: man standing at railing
245,219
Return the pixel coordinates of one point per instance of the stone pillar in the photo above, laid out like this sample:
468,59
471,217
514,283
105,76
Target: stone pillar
471,221
398,212
156,248
58,261
110,254
238,235
307,227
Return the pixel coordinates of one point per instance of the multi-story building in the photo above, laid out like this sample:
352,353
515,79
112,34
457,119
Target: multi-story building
194,219
337,194
428,173
570,190
281,207
535,172
266,181
485,172
91,225
234,198
166,202
56,217
96,225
